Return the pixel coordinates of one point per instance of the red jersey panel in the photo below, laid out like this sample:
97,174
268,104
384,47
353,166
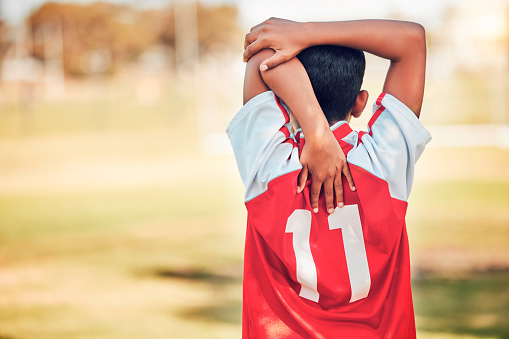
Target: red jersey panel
344,275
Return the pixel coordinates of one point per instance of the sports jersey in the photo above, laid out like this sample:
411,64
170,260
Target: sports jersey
315,275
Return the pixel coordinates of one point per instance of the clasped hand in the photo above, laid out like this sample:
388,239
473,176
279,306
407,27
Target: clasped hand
322,157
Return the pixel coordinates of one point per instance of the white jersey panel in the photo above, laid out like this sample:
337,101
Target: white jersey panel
395,142
257,134
361,155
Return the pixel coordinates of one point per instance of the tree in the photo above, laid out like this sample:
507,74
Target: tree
122,33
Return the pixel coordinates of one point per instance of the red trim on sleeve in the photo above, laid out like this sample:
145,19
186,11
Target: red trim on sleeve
377,112
380,98
361,134
289,141
342,131
283,109
298,137
285,131
346,147
374,117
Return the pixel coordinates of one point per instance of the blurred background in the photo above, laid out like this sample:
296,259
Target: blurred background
121,210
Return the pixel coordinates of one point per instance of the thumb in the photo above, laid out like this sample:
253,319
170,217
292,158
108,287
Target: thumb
275,60
301,180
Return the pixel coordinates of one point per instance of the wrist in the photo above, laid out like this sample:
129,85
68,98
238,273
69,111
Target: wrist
309,29
315,34
317,134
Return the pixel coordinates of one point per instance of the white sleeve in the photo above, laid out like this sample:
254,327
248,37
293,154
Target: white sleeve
260,136
397,138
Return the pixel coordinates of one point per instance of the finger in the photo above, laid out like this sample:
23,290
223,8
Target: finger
328,190
273,61
349,178
315,194
250,38
338,187
246,41
252,49
301,180
254,28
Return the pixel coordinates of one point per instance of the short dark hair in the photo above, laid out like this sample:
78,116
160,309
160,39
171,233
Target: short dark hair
336,74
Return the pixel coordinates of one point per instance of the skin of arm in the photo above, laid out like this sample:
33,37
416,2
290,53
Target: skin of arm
403,43
291,83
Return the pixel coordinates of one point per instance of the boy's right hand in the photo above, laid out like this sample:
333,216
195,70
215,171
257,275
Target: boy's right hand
285,37
323,158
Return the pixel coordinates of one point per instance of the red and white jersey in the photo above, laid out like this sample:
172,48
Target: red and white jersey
344,275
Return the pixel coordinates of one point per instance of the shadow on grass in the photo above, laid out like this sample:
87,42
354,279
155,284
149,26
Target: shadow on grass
224,311
6,337
477,304
197,275
219,308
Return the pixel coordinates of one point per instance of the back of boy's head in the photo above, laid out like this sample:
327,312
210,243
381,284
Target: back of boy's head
336,74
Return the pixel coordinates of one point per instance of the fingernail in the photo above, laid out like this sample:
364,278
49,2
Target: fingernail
299,189
340,204
315,210
331,210
353,188
263,67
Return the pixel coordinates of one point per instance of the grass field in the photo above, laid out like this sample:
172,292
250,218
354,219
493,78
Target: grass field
119,227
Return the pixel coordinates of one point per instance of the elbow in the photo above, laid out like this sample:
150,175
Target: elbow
256,60
417,37
267,76
412,43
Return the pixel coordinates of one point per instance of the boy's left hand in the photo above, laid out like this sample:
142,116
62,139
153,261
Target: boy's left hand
325,161
287,38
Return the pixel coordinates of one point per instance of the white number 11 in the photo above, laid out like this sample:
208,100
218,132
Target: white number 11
348,220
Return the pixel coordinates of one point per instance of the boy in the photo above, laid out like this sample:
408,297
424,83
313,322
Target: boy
310,270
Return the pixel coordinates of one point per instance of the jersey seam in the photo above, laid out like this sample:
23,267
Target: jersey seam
383,179
280,175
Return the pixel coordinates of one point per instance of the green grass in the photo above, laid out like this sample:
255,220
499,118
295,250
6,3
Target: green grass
469,214
458,224
145,262
116,265
474,304
96,107
114,225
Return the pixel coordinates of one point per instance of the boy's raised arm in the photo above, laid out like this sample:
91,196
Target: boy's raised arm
403,43
322,156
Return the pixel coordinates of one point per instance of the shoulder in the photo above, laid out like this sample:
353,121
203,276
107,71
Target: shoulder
263,102
394,143
391,118
263,147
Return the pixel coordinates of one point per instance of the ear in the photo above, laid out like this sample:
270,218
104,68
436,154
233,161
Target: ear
360,103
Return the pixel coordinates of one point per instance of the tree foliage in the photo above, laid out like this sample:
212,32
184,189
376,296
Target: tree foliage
119,34
4,42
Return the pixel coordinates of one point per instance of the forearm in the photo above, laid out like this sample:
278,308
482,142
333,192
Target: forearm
403,43
290,82
322,157
388,39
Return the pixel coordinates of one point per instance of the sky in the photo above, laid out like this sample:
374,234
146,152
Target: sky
255,11
429,12
305,10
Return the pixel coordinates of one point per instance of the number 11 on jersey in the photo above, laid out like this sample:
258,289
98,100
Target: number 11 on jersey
348,220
